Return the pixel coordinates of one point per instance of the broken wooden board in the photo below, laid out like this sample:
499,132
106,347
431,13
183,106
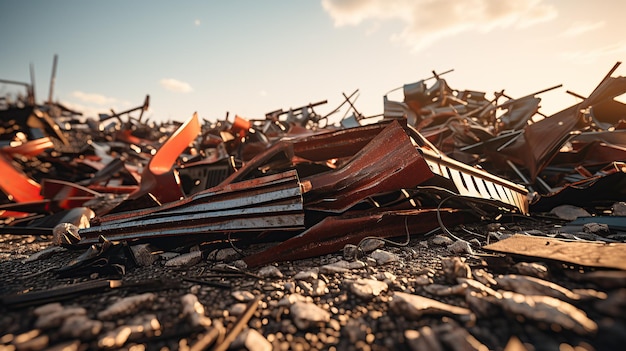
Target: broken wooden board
589,254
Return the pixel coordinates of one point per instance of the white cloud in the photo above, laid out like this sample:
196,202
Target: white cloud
582,27
427,21
92,98
591,56
176,85
196,22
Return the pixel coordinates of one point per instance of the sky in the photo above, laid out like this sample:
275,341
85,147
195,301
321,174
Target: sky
250,57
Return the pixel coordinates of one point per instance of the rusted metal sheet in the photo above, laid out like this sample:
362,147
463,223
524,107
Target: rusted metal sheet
158,178
333,233
389,162
470,181
273,203
601,255
18,186
605,187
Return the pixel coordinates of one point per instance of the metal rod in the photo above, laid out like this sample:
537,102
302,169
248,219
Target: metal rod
53,78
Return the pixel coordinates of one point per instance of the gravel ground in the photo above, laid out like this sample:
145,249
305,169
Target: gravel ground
323,303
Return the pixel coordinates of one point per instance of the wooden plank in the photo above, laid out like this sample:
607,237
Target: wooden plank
591,254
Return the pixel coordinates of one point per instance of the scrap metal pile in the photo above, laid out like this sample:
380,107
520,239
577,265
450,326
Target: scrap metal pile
439,158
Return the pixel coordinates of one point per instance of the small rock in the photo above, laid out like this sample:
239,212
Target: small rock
81,327
194,311
532,269
526,285
306,315
455,267
423,244
143,254
350,251
424,339
242,296
341,266
423,279
369,245
168,255
47,309
383,257
319,288
270,272
458,338
569,212
386,277
115,339
251,340
237,309
367,289
226,255
619,208
185,260
484,277
442,240
56,318
31,341
596,228
415,306
461,246
126,306
241,264
72,345
548,310
309,275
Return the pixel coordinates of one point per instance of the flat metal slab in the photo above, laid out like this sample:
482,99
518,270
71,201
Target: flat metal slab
589,254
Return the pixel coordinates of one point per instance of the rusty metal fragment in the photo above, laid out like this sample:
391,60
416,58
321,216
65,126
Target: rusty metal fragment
612,255
268,203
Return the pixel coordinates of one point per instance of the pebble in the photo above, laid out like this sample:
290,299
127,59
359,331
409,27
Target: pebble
55,319
619,208
415,306
423,279
596,228
383,257
270,272
194,311
242,295
252,340
308,275
126,306
455,267
532,269
237,309
143,254
371,244
569,212
31,341
340,266
386,277
80,327
306,315
350,251
442,240
185,260
422,339
226,255
461,247
367,289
